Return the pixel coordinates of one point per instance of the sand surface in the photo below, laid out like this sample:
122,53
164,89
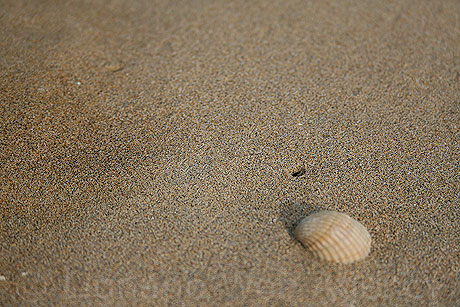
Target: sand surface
147,151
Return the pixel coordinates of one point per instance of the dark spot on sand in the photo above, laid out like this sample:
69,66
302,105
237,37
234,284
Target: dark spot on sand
299,172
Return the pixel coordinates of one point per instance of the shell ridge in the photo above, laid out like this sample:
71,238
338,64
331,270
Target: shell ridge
344,244
354,241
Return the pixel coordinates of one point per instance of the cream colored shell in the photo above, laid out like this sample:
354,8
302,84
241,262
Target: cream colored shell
334,236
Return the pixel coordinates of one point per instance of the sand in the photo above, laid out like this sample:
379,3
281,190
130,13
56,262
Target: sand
147,151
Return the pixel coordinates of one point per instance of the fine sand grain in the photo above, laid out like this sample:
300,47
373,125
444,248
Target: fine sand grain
162,152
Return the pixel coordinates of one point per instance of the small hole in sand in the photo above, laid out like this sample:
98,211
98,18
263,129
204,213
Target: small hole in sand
300,171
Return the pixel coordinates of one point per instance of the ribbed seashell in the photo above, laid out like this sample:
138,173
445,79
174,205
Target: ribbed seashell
334,236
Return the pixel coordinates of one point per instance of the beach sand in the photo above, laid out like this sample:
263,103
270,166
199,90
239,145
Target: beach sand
147,151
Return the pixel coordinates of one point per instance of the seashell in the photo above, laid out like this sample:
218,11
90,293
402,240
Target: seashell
334,236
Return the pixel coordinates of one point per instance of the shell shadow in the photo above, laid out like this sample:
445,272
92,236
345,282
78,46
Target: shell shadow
292,212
